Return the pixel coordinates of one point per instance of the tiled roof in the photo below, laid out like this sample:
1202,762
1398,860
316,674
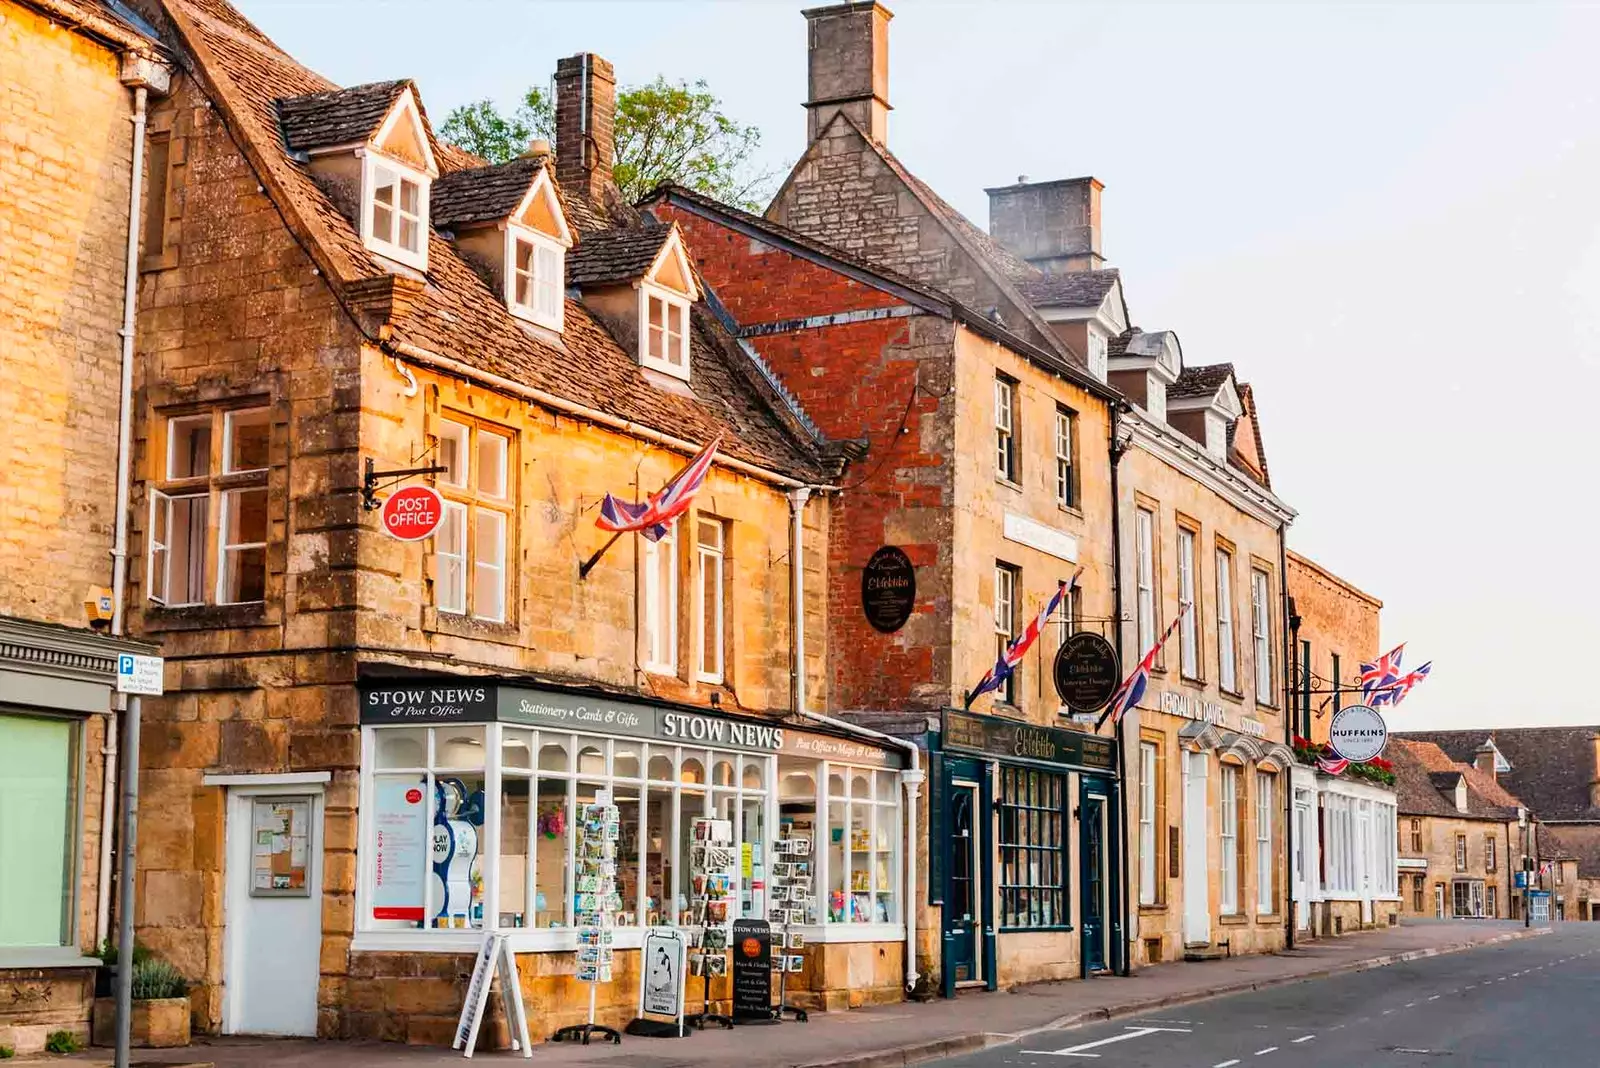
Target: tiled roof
482,194
336,116
1078,289
456,315
615,255
1551,767
1553,846
1200,381
1425,775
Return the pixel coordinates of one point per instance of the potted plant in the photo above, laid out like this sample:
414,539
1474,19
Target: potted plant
160,1015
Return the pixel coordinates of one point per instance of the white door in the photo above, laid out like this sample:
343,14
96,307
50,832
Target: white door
1196,842
1302,850
274,911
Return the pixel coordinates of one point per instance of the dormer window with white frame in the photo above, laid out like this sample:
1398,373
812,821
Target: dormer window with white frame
397,169
665,294
537,239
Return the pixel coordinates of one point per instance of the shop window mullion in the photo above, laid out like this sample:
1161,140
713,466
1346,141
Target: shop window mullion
492,803
572,833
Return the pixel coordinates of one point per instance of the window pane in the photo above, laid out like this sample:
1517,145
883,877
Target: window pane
189,447
155,579
409,234
38,800
453,454
450,553
549,282
515,814
186,552
408,196
249,432
489,570
400,842
382,223
244,554
492,452
458,747
666,899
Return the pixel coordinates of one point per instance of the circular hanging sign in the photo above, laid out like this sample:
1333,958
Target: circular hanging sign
413,513
1358,733
1087,672
888,589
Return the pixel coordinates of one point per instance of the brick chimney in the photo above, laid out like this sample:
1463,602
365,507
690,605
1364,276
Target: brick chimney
586,106
1053,225
1483,759
847,67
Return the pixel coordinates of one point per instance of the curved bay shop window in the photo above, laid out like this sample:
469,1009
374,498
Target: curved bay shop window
470,822
39,787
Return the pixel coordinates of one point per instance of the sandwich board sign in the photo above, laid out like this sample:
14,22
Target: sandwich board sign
661,978
494,957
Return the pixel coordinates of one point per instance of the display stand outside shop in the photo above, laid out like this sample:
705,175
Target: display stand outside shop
595,906
711,882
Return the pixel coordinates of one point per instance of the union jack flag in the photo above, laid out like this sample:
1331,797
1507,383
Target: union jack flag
1018,646
1332,765
1381,672
1397,689
669,502
1132,688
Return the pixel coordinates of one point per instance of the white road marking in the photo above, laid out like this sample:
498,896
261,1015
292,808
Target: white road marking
1185,1023
1403,1049
1269,1049
1387,1011
1411,1004
1077,1051
1434,998
1305,1038
1226,1064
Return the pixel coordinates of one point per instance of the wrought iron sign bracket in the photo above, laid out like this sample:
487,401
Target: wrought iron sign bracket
370,486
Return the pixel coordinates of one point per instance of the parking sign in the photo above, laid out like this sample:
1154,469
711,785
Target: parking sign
139,674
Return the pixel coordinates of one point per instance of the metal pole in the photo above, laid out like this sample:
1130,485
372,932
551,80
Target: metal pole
130,822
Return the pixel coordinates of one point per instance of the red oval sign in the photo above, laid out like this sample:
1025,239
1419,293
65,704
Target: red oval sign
413,796
413,513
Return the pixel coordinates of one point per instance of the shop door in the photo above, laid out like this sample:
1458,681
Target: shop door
274,912
1092,843
964,894
1302,850
1196,844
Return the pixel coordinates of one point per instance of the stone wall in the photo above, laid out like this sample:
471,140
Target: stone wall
1338,620
1438,841
65,159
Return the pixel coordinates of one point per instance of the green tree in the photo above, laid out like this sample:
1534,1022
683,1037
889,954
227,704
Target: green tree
665,131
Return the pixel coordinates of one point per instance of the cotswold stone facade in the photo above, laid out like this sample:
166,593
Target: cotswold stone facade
66,147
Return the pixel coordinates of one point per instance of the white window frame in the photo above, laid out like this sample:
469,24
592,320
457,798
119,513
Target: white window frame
1189,629
1144,522
225,547
1261,624
484,563
466,497
230,417
710,562
462,432
1005,430
538,282
1227,652
1064,435
457,607
659,652
1147,823
1007,580
649,291
164,503
1228,803
371,163
1265,802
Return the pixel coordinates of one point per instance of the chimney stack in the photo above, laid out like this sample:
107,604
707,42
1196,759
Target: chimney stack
586,106
1483,760
1053,225
1594,783
847,67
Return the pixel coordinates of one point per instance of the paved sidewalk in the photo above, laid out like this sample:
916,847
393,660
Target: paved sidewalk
892,1036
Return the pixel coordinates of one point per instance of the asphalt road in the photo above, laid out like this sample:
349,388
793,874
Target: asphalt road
1533,1003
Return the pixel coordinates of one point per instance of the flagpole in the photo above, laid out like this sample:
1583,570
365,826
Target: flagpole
588,565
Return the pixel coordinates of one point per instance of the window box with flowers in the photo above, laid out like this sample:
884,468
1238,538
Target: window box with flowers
1377,770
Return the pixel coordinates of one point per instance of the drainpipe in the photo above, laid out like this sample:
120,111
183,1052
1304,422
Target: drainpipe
1288,733
912,777
1125,965
119,549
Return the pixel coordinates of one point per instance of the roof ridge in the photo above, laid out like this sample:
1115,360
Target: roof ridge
257,41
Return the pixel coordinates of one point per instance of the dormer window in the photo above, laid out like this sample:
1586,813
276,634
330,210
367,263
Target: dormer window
665,337
535,280
398,215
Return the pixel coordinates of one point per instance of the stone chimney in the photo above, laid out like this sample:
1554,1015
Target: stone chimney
847,67
1053,225
1483,759
1594,783
586,106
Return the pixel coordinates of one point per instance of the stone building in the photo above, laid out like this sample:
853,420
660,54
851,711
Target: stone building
338,295
1343,861
1555,771
986,470
74,78
1462,836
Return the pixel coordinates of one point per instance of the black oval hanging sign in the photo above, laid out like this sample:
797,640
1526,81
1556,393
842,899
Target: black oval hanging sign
888,589
1087,672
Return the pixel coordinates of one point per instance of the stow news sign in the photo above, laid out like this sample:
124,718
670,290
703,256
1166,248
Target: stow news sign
420,702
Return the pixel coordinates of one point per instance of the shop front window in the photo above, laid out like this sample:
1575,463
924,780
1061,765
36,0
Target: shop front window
1033,858
38,830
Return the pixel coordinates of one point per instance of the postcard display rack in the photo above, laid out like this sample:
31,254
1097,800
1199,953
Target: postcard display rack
595,905
711,880
790,903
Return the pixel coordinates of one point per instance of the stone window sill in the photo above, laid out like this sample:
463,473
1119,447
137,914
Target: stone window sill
45,957
1233,921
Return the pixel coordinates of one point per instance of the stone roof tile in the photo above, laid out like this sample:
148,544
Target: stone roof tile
482,194
1200,381
1551,767
336,116
616,255
1077,289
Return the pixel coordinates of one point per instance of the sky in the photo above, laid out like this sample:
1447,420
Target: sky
1387,217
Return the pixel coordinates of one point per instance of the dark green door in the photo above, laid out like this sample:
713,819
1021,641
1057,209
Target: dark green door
962,913
1093,840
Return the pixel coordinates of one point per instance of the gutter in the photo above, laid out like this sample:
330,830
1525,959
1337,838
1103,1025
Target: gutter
1288,737
1125,963
593,415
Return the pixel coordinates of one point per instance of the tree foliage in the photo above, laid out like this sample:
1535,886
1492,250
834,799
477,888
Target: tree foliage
665,131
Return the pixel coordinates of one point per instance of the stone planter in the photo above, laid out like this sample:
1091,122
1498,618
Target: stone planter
157,1023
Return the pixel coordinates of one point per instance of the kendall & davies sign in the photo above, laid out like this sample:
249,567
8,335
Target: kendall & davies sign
1203,711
